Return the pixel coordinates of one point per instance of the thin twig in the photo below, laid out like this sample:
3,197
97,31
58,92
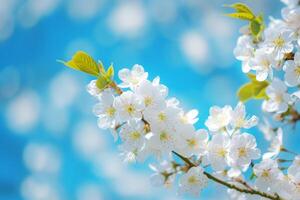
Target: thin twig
229,185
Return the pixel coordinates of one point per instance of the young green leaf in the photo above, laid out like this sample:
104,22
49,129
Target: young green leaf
252,77
110,72
241,8
242,16
245,92
261,94
253,90
70,64
102,82
101,68
255,27
83,62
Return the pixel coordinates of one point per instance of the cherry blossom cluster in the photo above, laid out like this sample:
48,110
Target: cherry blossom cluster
148,123
275,57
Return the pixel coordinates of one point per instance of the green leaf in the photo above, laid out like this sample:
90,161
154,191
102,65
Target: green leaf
252,77
110,72
102,82
242,16
261,94
69,64
253,90
101,67
245,92
83,62
241,8
255,27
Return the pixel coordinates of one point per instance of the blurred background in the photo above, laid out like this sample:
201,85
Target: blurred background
50,146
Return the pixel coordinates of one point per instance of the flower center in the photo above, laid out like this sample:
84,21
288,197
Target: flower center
135,135
242,152
148,101
134,80
192,180
110,111
130,108
164,136
297,71
162,116
192,142
265,174
279,42
222,152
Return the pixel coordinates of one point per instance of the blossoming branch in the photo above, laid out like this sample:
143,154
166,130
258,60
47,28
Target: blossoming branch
148,123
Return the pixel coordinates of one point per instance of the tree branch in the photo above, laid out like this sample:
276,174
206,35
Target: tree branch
229,185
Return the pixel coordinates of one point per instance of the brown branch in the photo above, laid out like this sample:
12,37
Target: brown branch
116,88
289,56
229,185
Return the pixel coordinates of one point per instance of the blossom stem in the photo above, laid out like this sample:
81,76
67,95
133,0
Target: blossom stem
229,185
284,160
288,151
116,88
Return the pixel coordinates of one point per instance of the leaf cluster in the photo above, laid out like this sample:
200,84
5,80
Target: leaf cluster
83,62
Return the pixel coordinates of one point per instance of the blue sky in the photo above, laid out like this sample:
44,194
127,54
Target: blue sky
50,144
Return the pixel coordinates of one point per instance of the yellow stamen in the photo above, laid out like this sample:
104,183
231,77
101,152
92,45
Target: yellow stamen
192,142
135,135
279,42
162,116
297,71
192,180
222,152
148,101
242,152
164,136
110,111
130,109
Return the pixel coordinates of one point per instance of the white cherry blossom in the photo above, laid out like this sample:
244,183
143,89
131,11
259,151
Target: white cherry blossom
278,97
278,41
131,78
295,167
105,110
275,146
164,139
243,150
93,89
190,117
292,71
244,51
166,117
218,118
291,16
267,174
263,64
151,95
194,142
128,106
218,151
193,181
294,177
239,120
132,134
